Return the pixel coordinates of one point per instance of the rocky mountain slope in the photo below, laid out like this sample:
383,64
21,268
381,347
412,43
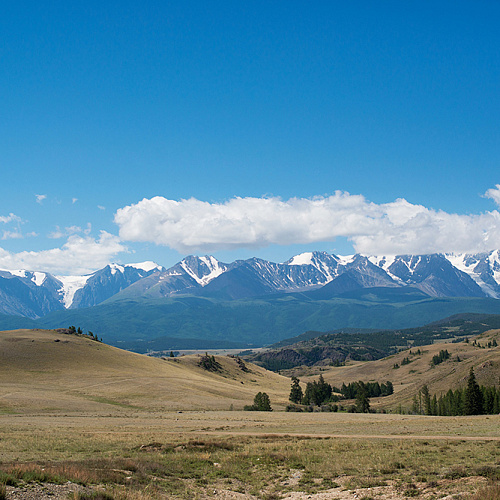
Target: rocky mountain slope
34,294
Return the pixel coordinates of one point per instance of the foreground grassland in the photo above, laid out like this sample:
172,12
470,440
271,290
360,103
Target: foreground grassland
254,455
84,421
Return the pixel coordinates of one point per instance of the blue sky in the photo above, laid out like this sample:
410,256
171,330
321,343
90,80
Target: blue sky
146,131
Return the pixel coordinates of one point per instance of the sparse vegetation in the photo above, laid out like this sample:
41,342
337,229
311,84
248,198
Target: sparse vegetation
186,468
439,358
136,449
209,363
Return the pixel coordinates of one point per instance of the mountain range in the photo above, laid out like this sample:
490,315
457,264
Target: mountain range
34,294
203,302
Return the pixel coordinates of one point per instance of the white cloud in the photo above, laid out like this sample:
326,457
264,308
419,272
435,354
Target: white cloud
392,228
79,255
56,234
12,235
494,194
74,200
100,207
40,198
68,231
5,219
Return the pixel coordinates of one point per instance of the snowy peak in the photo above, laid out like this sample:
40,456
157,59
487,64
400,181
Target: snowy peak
201,269
483,268
70,285
36,277
34,293
325,263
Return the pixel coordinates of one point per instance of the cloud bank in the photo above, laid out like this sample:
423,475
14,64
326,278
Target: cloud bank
79,255
398,227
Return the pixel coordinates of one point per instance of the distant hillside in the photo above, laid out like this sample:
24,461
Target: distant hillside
411,369
316,349
51,371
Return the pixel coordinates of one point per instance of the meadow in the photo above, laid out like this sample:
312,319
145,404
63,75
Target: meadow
81,420
235,454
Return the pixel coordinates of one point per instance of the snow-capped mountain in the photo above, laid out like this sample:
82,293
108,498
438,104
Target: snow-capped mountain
28,293
433,274
34,294
483,268
104,283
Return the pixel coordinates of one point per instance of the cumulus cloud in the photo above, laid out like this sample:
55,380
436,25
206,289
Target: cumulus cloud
79,255
40,198
392,228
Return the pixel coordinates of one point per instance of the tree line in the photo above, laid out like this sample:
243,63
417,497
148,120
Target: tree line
319,392
472,399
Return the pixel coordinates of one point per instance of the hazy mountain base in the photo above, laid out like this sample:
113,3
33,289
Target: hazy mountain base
257,322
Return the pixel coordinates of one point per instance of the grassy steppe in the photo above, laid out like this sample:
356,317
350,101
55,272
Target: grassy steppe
138,429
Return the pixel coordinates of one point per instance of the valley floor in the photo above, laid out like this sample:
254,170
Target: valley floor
135,455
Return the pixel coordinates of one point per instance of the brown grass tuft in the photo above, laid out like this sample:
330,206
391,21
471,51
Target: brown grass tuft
490,492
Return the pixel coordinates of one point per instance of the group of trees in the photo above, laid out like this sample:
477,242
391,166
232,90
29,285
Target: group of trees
439,358
320,392
473,399
209,363
73,330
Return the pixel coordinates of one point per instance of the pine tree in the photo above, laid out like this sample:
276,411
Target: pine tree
362,401
434,405
427,399
262,402
296,394
473,398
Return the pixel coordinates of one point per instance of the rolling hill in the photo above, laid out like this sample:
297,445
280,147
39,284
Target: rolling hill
53,371
324,349
409,378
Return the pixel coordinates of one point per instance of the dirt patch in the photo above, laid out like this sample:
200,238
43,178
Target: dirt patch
45,491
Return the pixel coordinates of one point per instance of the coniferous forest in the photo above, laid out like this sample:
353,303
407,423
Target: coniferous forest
472,399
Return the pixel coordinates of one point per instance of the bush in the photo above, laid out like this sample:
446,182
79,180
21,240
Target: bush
294,408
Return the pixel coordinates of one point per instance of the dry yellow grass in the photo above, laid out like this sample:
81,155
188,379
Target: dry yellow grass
46,371
146,428
409,379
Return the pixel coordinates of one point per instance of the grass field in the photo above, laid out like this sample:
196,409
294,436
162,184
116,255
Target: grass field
217,454
122,426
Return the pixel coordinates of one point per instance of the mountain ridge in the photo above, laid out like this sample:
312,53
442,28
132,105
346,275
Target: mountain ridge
34,294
